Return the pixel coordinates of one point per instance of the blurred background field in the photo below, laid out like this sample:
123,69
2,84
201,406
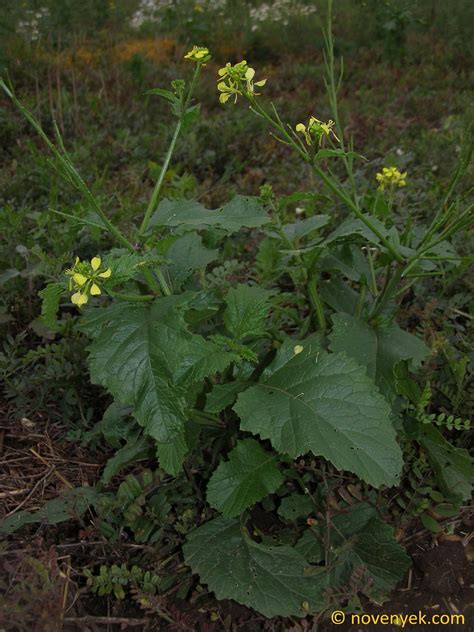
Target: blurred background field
88,64
406,99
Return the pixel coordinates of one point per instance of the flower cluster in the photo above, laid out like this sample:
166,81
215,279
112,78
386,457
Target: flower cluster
237,80
83,279
316,130
198,54
391,177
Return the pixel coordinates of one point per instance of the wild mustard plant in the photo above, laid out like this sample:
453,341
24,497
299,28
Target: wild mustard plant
292,382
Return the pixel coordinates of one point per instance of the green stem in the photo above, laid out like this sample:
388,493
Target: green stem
152,284
333,186
316,303
277,124
388,292
131,297
163,282
159,183
332,89
79,220
463,221
361,301
373,280
156,191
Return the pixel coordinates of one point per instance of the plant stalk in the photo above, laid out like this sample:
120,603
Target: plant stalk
316,303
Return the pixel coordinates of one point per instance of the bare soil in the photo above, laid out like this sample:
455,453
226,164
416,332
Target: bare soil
42,587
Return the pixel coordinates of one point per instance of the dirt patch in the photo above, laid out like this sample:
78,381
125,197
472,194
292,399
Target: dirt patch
37,462
41,567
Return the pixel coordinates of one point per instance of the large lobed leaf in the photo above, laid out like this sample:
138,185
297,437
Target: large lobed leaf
240,212
326,404
187,254
247,308
51,296
250,474
364,543
378,349
145,356
271,579
376,550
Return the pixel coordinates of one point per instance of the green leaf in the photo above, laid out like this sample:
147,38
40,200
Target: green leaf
339,296
295,506
125,265
71,505
246,311
326,404
189,214
378,349
250,474
310,545
187,254
116,425
353,227
446,510
453,466
269,259
6,275
310,345
404,384
171,455
374,549
271,579
145,356
430,523
349,260
241,351
166,94
51,296
305,227
359,540
136,449
223,395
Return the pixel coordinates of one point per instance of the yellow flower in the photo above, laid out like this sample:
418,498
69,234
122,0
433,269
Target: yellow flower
237,80
302,129
199,54
79,299
83,279
316,130
227,90
391,177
